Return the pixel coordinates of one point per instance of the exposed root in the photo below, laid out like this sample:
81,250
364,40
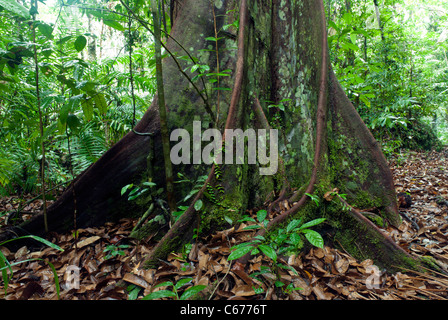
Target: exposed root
360,217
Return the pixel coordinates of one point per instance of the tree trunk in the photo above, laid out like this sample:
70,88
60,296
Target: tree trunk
279,58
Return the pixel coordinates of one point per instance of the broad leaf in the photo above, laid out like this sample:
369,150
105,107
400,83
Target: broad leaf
46,30
182,282
314,238
126,188
261,215
87,109
191,292
312,223
160,294
198,205
63,113
149,184
100,102
113,24
238,253
292,225
268,251
73,122
15,7
80,43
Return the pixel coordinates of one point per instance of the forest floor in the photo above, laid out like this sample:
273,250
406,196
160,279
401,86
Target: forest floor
109,260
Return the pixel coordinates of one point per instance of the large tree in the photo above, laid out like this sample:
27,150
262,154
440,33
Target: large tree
280,78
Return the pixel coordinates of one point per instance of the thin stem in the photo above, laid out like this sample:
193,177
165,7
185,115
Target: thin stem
162,110
131,77
41,124
75,207
217,61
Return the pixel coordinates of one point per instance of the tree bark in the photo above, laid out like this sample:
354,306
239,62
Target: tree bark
279,53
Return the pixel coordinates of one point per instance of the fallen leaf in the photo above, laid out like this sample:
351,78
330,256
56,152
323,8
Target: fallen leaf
243,291
87,241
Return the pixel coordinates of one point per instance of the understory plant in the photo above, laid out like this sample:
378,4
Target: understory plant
174,292
285,241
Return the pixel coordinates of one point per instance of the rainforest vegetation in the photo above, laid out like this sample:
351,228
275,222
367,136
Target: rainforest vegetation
91,90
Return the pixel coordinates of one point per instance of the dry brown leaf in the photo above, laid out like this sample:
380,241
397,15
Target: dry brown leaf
87,241
303,284
21,253
203,260
243,291
321,294
238,269
342,266
319,253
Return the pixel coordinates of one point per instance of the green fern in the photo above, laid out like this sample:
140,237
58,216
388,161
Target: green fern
5,170
87,147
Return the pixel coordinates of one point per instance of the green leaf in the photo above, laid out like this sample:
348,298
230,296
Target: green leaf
213,39
63,40
133,292
333,25
15,7
246,218
164,284
125,188
55,276
182,282
86,86
46,242
292,225
364,99
349,46
228,219
3,263
268,251
295,239
312,223
195,67
100,102
191,292
253,227
149,184
73,122
87,109
113,24
314,238
261,215
198,205
238,253
160,294
33,10
314,198
347,18
46,30
63,113
80,43
279,284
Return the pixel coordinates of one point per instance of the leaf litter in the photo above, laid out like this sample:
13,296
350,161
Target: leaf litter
109,261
